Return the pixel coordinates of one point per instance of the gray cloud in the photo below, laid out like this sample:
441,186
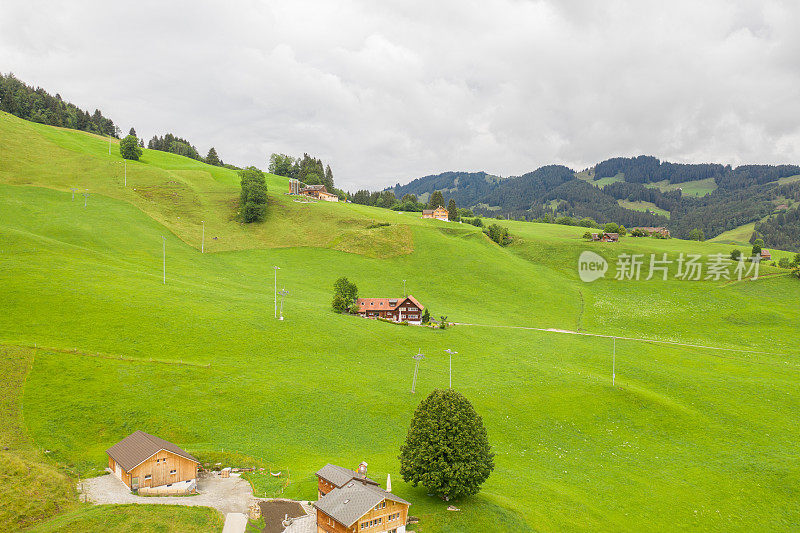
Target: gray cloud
389,91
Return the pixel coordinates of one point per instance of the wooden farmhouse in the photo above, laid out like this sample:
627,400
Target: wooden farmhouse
605,237
351,502
143,460
319,192
440,213
765,255
397,309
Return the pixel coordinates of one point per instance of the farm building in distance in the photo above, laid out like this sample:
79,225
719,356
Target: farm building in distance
143,460
319,192
350,501
765,255
397,309
440,213
605,237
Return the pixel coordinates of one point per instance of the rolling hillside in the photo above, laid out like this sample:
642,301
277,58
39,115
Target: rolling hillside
698,432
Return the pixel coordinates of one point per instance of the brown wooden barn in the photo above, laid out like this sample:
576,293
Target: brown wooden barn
144,460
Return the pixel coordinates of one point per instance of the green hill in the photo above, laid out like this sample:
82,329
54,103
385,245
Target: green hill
690,437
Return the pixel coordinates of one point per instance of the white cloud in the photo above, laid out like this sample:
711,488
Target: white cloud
389,91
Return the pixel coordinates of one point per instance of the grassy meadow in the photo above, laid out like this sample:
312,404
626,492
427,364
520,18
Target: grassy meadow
688,438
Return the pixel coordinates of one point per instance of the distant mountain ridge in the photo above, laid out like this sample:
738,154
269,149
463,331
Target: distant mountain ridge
740,195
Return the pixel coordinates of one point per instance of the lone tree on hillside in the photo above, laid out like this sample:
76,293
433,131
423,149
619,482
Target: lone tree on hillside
426,316
345,294
253,200
129,148
757,245
452,211
212,158
446,449
436,200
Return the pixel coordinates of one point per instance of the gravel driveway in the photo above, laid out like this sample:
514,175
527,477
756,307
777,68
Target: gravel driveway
228,495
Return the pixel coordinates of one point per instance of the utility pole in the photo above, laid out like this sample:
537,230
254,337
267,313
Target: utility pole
614,363
276,268
452,353
85,195
165,259
417,358
203,241
282,292
73,189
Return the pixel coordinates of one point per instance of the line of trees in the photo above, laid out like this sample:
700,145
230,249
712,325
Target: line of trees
37,105
306,169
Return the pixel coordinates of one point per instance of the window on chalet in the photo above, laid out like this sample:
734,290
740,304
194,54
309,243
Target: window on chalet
173,472
147,476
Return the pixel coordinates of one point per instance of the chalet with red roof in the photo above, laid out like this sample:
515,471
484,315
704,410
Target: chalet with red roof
397,309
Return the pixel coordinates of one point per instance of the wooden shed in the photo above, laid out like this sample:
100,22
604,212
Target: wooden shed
144,460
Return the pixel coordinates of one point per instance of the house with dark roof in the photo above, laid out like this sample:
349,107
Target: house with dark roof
397,309
143,460
349,501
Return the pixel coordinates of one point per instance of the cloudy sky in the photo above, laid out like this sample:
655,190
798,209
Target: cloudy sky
387,91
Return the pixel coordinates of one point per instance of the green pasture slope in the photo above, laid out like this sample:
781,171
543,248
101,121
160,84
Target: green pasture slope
689,438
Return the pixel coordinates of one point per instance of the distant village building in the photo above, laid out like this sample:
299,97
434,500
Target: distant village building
312,191
440,213
143,460
605,237
765,255
662,231
351,502
397,309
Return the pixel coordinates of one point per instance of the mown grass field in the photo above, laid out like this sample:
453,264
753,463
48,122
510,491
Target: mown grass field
689,438
641,205
739,236
688,188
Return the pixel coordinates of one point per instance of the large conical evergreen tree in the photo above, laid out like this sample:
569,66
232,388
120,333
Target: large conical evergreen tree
452,210
446,448
212,158
436,200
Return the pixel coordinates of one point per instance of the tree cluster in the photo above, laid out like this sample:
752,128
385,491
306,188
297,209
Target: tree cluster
37,105
306,169
498,234
781,230
253,198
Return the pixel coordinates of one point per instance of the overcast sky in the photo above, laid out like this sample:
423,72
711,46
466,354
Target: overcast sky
387,91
